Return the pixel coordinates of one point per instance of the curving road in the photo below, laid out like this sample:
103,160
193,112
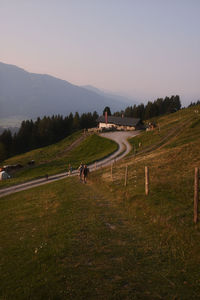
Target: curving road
120,137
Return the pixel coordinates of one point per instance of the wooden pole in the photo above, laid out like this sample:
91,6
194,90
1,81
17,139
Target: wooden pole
196,194
146,181
95,166
111,172
135,178
126,175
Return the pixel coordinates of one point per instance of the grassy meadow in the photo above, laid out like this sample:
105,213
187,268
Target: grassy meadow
56,158
104,240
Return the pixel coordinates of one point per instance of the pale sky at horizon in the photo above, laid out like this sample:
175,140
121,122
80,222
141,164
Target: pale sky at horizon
142,48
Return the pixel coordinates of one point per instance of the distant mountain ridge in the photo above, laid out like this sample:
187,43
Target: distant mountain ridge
124,99
32,95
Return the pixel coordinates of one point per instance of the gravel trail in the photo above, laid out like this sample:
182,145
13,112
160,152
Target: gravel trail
120,137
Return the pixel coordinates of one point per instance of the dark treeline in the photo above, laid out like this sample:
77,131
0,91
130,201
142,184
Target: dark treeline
42,132
152,109
48,130
194,103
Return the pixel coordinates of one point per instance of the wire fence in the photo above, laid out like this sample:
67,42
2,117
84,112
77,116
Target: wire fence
122,176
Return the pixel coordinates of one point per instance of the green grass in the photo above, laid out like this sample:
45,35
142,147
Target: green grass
92,149
45,154
102,240
54,159
68,240
183,126
165,217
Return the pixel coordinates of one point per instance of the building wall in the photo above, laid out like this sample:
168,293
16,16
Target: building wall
104,125
125,128
109,126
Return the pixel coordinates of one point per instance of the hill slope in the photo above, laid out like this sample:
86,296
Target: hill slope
31,95
107,240
56,158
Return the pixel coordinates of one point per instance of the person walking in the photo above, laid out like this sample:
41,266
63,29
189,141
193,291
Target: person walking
81,171
70,169
85,173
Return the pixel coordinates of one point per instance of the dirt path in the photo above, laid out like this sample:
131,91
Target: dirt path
124,148
74,144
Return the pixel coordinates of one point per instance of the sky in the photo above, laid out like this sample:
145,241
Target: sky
143,49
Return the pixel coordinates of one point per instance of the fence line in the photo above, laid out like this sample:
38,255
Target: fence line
126,175
196,194
147,185
146,181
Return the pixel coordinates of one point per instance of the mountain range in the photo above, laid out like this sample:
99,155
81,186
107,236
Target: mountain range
31,95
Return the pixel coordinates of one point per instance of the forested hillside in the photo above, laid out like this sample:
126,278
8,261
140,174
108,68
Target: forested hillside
152,109
48,130
42,132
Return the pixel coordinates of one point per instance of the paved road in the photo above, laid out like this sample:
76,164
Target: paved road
124,148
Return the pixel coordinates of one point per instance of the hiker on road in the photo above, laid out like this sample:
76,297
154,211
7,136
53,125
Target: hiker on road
81,171
70,169
85,173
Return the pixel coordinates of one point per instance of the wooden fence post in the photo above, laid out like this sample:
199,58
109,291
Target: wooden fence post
135,178
126,175
146,181
196,194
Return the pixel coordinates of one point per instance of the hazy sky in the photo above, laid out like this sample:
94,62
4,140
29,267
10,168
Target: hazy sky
142,48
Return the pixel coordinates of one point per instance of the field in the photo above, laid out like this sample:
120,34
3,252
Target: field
56,158
104,240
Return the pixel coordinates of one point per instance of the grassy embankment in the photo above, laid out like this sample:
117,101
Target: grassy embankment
165,217
106,241
56,158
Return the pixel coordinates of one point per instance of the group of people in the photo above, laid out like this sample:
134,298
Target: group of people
83,172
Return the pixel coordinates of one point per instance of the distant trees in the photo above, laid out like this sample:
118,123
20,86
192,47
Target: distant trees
194,103
48,130
42,132
6,141
152,109
2,152
107,108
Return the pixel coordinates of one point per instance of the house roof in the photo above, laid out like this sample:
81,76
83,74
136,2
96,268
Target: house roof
119,120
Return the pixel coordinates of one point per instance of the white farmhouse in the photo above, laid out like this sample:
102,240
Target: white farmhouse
119,123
